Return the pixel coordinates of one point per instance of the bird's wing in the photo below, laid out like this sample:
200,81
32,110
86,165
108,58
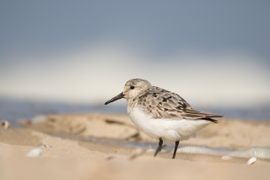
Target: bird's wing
161,103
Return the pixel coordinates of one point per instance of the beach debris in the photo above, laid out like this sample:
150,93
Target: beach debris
225,158
5,124
37,152
111,121
252,160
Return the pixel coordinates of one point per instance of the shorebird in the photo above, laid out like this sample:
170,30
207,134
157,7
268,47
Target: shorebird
162,114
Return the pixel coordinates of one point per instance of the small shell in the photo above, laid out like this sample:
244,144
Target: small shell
5,124
251,160
36,152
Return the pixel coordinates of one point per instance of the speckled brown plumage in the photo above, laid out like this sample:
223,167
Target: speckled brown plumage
160,103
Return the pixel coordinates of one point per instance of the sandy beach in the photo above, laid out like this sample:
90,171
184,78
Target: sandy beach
74,73
108,146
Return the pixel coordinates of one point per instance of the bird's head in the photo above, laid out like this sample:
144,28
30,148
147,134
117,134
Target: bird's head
132,89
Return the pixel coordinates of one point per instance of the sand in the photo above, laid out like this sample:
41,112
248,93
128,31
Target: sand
99,146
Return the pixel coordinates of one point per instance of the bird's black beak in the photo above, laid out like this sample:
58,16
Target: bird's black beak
119,96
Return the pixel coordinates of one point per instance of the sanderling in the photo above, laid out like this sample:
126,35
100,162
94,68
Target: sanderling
162,114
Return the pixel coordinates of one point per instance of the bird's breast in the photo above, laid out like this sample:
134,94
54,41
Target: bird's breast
167,128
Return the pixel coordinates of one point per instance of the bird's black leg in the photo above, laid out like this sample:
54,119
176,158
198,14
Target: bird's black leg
159,146
175,149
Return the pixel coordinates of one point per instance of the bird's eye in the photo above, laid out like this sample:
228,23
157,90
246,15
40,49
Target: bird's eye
132,87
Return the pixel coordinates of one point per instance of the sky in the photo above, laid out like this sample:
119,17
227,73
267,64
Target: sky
210,52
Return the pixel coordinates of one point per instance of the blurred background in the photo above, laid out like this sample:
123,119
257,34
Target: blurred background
59,56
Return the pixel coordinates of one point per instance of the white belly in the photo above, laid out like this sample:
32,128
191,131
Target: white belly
172,130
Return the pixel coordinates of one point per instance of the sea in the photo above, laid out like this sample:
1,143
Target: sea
15,110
